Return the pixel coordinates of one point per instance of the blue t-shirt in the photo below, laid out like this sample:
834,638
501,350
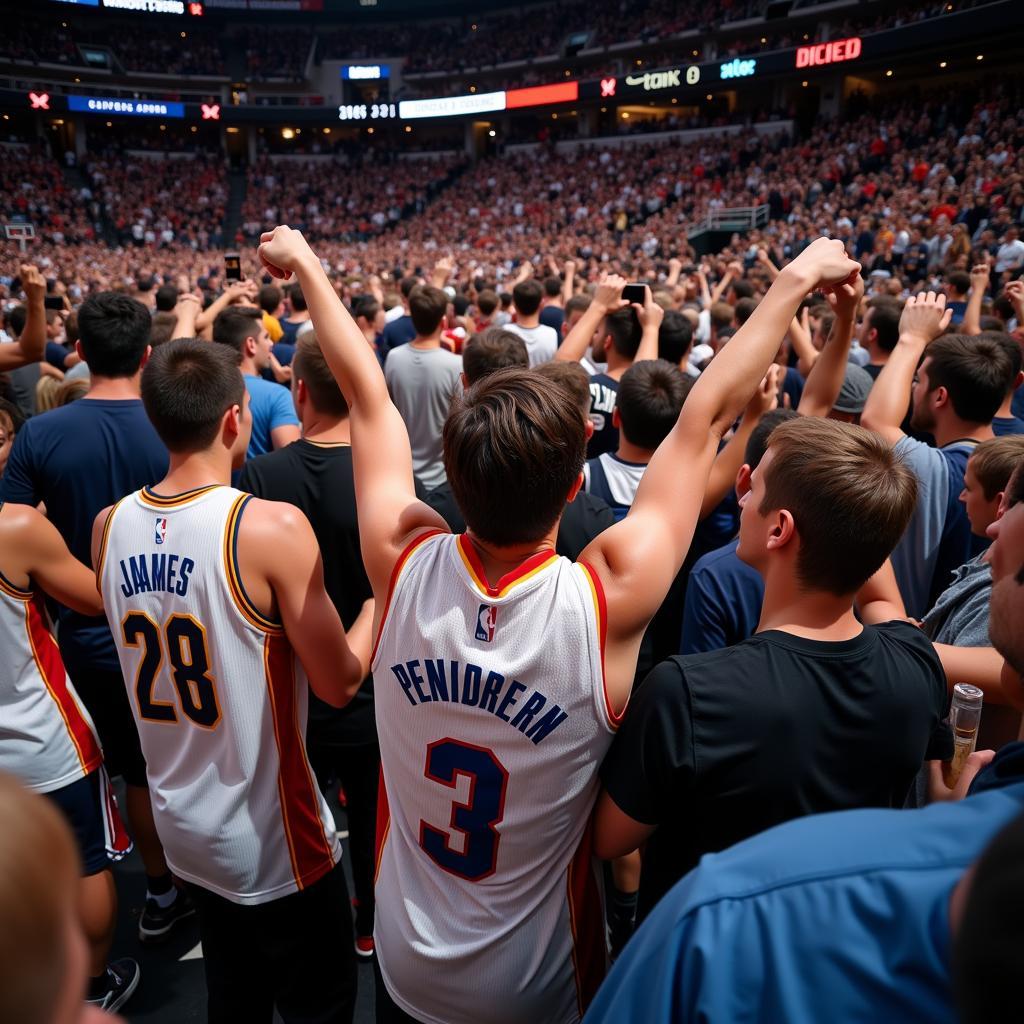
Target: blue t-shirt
399,332
284,352
56,355
271,406
1017,405
79,459
841,917
723,602
1003,426
793,385
959,309
938,539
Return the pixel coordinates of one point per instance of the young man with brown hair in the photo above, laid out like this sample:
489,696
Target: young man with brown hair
541,340
956,384
813,713
502,665
422,377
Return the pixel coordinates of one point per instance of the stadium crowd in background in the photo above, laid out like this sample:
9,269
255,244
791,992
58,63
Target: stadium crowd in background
663,591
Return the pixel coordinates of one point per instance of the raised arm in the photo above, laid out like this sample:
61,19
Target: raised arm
39,551
979,285
800,342
607,299
186,313
675,269
924,318
31,346
389,511
879,600
825,380
235,292
569,280
650,315
638,558
766,261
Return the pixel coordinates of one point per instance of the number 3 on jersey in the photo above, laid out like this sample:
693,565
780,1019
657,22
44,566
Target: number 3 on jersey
185,642
484,808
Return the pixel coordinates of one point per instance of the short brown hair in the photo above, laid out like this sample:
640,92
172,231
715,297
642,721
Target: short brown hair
427,307
310,366
493,349
487,302
527,295
514,444
994,461
572,377
885,320
976,371
850,494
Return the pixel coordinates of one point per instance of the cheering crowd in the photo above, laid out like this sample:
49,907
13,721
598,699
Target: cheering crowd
624,569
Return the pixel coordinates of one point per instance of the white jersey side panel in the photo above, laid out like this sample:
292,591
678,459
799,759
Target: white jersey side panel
219,699
492,720
47,738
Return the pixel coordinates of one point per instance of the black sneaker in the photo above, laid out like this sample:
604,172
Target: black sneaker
122,980
156,921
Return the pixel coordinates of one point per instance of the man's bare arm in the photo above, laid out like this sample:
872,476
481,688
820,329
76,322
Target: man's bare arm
389,511
607,299
825,381
31,346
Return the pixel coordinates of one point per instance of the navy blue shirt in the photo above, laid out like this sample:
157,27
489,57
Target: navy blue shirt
553,317
1017,405
793,385
604,392
1003,426
398,332
79,459
723,602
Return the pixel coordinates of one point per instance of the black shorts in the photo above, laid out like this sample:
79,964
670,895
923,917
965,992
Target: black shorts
82,805
103,693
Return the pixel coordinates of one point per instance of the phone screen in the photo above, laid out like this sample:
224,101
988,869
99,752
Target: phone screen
232,266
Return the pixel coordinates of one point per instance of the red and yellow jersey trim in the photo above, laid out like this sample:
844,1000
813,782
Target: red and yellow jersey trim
601,614
8,588
400,564
248,610
475,567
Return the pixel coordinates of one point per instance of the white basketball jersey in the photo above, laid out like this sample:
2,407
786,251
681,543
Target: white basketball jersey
493,719
47,738
219,699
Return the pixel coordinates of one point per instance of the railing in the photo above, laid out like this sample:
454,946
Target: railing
735,218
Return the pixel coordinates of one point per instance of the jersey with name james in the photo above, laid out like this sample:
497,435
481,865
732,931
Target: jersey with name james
219,699
493,718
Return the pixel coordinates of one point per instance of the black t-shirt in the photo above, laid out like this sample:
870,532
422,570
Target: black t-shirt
582,520
604,393
318,480
717,747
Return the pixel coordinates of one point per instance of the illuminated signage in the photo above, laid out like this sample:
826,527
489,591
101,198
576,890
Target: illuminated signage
210,111
450,106
738,68
366,111
365,72
651,81
148,6
828,53
115,105
608,87
39,100
538,95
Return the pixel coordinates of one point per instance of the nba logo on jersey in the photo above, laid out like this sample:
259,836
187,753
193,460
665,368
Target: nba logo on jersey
485,620
160,533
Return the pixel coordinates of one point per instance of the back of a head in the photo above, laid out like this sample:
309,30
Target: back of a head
166,298
493,349
144,283
1011,347
487,302
514,445
187,386
38,885
113,330
296,298
162,329
757,443
850,495
885,320
623,326
577,304
427,307
270,297
236,323
742,289
990,936
651,394
994,461
526,296
15,320
675,337
976,371
745,310
572,377
959,282
310,366
365,306
721,314
552,287
406,285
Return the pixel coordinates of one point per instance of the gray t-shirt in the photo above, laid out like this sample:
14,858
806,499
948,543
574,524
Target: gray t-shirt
960,615
541,342
422,382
